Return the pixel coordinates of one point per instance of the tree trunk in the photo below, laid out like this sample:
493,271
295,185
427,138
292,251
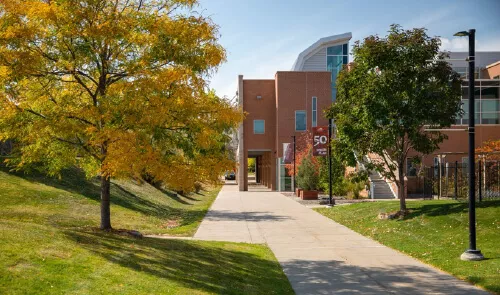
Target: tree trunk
105,203
401,189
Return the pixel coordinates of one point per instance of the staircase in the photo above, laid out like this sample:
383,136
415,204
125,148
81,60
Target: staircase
381,189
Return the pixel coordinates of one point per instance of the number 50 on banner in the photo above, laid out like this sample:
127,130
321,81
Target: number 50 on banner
320,141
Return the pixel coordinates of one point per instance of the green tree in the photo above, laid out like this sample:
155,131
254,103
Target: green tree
390,94
117,87
251,164
308,174
338,171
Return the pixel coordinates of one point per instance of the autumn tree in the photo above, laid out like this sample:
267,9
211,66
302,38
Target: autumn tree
489,150
116,87
390,94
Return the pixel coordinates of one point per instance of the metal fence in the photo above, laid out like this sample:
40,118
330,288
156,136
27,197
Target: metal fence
451,180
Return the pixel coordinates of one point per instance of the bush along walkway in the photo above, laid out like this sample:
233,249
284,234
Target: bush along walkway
318,255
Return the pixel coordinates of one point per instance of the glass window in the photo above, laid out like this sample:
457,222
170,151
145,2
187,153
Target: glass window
461,71
465,105
334,92
410,168
300,121
490,105
334,50
259,126
490,118
465,92
314,114
334,65
490,92
337,56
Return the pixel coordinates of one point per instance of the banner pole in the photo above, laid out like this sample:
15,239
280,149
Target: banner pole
331,202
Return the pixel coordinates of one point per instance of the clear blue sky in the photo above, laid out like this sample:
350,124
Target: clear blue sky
264,36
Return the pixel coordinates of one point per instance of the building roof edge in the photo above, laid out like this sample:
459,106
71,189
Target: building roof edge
323,41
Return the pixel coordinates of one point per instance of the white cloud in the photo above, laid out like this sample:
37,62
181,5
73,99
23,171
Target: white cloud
455,44
462,44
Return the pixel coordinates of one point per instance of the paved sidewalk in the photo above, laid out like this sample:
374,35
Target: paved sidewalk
318,255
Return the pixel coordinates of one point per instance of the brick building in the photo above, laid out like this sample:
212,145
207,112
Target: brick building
293,102
287,105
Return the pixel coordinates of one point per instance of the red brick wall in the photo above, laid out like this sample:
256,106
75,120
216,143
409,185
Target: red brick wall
491,72
294,91
458,142
259,109
280,98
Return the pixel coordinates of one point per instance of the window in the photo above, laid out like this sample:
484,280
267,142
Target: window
411,170
336,57
314,115
258,126
300,121
436,166
487,99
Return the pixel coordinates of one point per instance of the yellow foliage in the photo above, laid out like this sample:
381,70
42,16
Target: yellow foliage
116,87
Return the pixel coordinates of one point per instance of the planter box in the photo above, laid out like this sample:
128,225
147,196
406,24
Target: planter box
308,195
297,191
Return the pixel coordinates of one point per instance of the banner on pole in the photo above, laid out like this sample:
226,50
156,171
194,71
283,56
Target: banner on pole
320,141
288,157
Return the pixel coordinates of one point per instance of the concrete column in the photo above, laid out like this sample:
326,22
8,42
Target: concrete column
242,176
273,171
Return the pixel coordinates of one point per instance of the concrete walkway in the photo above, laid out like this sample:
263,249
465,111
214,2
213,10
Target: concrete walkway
318,255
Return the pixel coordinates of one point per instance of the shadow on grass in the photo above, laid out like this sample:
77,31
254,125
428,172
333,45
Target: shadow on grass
175,196
74,181
431,209
195,265
221,271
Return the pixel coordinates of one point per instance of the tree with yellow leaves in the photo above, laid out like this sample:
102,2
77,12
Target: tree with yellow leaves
490,150
116,87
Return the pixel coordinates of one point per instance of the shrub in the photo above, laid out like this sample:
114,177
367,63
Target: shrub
308,174
338,180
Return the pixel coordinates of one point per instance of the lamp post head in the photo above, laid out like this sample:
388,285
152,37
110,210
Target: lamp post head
461,34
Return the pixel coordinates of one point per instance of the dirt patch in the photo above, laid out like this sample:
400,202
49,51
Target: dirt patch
171,224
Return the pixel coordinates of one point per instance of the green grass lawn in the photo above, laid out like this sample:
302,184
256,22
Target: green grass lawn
50,245
435,232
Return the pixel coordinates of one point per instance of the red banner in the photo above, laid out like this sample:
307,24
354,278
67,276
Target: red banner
320,141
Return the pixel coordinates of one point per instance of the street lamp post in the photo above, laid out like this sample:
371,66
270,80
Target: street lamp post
331,201
472,253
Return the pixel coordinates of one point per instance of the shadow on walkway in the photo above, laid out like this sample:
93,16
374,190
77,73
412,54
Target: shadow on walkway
336,277
223,215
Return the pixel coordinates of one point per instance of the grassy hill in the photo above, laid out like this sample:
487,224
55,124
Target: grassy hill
50,245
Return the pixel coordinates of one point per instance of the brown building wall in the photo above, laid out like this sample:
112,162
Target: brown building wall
259,109
294,93
263,108
279,99
458,142
492,72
